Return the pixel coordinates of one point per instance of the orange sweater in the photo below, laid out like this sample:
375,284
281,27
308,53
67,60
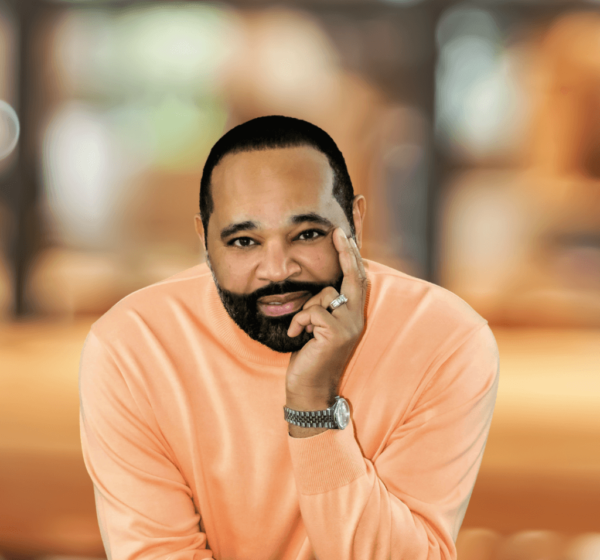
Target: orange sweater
184,438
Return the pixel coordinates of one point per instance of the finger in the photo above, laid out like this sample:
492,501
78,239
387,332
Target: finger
324,299
362,273
316,316
352,285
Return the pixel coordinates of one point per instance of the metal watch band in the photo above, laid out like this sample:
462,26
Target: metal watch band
311,418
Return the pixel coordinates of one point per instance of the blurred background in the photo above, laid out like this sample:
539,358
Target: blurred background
473,130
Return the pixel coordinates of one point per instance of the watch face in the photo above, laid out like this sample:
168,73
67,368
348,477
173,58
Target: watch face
342,413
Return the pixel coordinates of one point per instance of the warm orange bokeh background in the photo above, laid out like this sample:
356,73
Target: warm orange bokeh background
472,130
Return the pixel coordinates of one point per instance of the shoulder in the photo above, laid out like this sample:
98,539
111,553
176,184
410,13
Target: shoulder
391,287
152,305
433,333
418,310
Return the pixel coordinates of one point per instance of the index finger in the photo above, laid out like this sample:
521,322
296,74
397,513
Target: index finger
362,273
355,277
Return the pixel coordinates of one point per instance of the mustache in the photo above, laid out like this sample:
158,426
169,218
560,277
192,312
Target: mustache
278,288
285,287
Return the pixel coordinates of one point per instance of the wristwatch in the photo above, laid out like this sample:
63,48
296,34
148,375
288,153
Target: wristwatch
336,417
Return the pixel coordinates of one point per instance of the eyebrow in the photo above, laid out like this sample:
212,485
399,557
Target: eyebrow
313,217
234,228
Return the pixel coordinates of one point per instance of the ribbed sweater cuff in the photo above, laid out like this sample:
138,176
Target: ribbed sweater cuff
326,461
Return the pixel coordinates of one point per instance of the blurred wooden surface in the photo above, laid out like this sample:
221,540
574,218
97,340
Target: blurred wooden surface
541,468
47,501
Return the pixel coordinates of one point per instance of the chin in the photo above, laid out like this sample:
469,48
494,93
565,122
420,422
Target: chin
291,345
272,333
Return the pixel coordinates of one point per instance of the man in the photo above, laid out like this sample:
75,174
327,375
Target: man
186,385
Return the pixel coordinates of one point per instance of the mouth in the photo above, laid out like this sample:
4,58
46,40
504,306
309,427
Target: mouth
275,306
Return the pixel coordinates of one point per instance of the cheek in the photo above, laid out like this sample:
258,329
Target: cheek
233,273
322,264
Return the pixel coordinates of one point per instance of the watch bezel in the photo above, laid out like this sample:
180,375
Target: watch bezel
341,404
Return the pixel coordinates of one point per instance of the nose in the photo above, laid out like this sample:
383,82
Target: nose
276,263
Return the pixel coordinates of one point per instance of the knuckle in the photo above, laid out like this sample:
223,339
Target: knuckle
301,316
310,303
330,291
318,310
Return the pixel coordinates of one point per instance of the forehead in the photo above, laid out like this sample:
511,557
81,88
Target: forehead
269,185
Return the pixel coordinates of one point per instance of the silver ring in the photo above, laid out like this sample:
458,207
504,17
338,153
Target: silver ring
340,300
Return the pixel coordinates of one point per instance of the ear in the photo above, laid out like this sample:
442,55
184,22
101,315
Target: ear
359,209
199,229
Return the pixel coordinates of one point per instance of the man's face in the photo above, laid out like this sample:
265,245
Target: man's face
269,239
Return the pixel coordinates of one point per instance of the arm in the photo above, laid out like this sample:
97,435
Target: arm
411,500
144,506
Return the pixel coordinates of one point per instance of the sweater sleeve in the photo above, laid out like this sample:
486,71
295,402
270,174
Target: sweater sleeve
144,506
410,501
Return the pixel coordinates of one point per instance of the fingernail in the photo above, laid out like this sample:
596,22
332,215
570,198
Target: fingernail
343,233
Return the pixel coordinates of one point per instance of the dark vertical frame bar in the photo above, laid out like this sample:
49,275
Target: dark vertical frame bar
23,187
434,183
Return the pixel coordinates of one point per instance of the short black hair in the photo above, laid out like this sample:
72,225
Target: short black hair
276,131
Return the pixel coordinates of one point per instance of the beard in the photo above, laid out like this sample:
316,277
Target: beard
270,331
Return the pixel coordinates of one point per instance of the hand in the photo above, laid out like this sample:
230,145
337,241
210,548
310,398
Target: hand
314,371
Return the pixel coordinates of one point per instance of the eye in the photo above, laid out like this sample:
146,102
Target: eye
310,234
241,242
306,235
